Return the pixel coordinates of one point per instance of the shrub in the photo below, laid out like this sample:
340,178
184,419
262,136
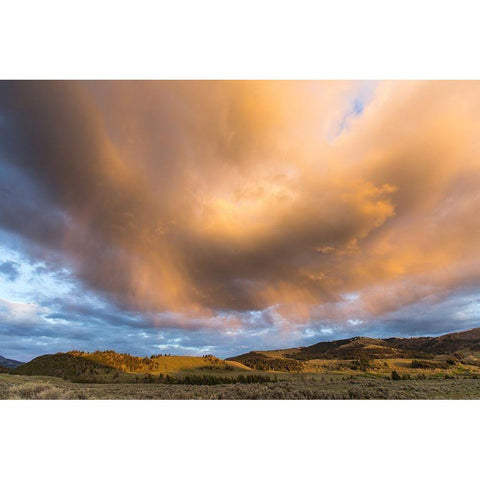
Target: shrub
213,379
38,391
395,375
426,364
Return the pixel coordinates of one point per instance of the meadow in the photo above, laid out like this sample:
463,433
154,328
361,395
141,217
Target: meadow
303,386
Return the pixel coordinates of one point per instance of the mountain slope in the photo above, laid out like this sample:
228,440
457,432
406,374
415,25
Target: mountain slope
9,363
459,344
467,341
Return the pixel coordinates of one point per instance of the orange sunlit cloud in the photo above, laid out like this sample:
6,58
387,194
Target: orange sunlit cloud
214,196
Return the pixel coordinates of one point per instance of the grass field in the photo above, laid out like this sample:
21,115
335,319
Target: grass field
287,386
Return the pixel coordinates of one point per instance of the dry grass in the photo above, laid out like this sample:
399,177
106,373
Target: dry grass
289,386
160,364
40,391
384,366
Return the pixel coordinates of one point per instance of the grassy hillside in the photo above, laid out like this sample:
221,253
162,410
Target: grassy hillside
268,362
64,365
425,355
157,364
462,345
354,348
111,366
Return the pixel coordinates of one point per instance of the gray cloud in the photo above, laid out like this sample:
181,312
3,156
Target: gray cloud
10,270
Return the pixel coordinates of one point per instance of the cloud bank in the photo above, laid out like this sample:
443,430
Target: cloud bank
288,208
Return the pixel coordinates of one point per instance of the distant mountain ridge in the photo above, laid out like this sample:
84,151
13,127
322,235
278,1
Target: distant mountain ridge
459,345
365,347
9,363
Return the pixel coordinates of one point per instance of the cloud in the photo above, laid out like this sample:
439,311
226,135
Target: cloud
9,270
191,204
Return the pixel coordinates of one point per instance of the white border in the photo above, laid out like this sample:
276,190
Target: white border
371,39
239,439
239,40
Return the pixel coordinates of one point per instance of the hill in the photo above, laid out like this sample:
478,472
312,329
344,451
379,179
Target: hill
108,365
9,363
157,364
63,365
265,362
460,345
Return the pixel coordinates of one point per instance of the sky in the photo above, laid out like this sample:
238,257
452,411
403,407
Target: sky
194,217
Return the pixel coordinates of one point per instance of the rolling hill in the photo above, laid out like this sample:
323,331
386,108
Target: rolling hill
82,366
460,345
63,365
